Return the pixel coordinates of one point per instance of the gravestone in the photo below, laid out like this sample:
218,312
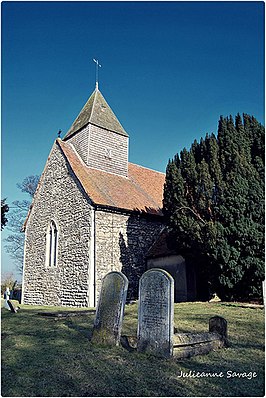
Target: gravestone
156,313
7,296
11,307
217,324
110,309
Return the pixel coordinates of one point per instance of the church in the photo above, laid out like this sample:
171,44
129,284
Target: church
93,212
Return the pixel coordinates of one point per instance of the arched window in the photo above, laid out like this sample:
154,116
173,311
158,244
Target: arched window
51,245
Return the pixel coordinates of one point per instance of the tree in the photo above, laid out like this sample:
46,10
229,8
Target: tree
214,205
29,185
4,210
17,217
7,280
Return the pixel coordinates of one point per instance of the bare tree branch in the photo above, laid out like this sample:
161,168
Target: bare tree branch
15,241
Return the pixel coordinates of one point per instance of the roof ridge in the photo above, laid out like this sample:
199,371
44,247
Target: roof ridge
121,129
93,105
75,127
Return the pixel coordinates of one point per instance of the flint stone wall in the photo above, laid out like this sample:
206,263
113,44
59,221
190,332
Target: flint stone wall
59,198
122,242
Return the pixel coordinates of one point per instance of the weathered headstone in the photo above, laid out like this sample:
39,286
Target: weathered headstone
7,296
11,307
217,324
156,313
110,309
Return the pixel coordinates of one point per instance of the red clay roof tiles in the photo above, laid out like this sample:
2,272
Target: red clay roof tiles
141,191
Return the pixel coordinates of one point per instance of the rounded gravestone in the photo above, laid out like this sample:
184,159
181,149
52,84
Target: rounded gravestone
156,313
218,324
110,309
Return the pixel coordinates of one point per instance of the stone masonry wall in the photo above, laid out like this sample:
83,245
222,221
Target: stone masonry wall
59,198
102,149
122,242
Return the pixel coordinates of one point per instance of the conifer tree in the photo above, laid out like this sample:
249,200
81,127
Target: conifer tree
214,204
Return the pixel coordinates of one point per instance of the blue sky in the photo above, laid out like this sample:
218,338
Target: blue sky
169,70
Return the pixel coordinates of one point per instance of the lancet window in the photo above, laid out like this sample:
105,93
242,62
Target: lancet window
51,245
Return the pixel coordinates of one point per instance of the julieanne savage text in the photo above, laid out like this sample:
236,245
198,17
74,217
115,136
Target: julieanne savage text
230,374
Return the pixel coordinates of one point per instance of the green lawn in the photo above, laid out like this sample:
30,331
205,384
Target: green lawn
43,356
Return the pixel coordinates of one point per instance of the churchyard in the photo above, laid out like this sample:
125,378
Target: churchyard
53,355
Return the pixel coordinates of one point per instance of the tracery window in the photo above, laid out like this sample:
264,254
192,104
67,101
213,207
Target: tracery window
51,245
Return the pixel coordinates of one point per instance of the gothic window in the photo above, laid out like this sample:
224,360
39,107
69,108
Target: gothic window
51,245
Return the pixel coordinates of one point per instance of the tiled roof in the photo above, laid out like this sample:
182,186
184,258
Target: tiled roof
141,191
98,112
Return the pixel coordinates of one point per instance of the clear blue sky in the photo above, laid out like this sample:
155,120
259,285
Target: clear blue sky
169,70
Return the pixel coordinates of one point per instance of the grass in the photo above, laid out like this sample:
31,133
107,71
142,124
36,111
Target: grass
44,356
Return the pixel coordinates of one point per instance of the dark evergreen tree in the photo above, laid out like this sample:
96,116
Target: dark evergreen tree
214,204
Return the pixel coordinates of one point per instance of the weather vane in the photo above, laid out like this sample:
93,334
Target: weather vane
97,70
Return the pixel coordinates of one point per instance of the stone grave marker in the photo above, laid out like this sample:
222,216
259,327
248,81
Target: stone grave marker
217,324
110,309
156,313
7,296
11,307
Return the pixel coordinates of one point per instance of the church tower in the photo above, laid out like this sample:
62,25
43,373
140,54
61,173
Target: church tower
99,138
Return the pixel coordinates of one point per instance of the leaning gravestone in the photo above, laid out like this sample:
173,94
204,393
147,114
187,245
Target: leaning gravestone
11,307
110,309
156,313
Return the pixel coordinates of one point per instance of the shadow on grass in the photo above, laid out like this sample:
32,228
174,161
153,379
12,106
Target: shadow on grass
247,346
239,305
85,328
44,357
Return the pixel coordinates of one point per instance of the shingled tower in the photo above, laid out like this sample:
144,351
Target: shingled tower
99,138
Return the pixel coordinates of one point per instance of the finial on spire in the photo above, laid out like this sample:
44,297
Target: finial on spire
97,71
59,133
